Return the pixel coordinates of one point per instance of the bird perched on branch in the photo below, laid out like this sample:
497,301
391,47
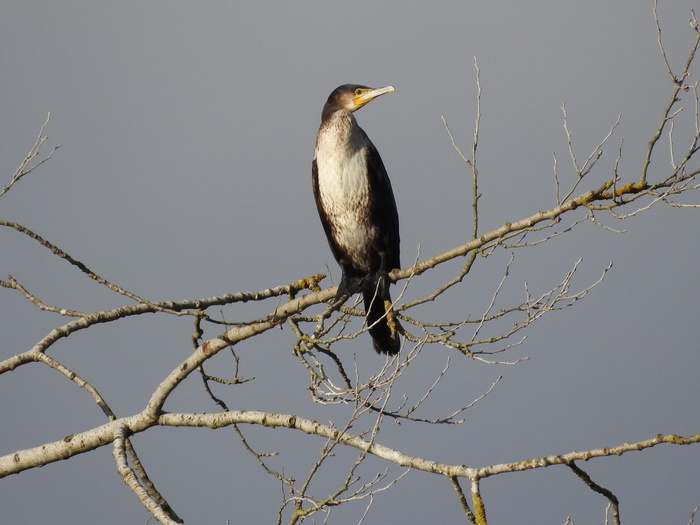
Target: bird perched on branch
357,209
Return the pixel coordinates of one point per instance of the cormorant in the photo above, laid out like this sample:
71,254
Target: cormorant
357,209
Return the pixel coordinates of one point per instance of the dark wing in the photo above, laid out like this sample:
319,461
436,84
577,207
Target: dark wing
384,213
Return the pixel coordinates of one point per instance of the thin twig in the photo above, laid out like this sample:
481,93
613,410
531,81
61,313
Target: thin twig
25,168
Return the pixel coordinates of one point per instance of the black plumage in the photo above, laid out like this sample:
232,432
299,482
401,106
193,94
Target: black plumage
357,209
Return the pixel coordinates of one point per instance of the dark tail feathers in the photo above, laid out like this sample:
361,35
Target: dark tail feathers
386,340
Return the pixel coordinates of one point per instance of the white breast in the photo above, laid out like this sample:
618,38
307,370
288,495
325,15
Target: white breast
345,194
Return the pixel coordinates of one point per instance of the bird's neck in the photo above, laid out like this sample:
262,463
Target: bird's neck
339,130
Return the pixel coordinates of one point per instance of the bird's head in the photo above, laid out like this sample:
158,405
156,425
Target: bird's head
352,97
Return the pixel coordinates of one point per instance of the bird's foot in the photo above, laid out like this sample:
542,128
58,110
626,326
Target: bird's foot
348,286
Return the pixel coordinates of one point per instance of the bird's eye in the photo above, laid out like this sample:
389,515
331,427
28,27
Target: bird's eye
358,91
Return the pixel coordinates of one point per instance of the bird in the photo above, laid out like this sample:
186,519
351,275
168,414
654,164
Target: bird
357,208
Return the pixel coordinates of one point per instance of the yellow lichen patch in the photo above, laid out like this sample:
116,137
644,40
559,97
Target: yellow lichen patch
391,320
479,509
310,282
624,190
627,188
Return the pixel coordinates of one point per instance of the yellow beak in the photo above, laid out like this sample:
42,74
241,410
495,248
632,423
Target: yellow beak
370,94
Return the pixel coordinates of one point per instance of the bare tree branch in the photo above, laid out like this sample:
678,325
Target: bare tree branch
318,323
26,166
614,503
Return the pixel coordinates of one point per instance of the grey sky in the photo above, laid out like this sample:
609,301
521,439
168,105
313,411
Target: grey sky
186,134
